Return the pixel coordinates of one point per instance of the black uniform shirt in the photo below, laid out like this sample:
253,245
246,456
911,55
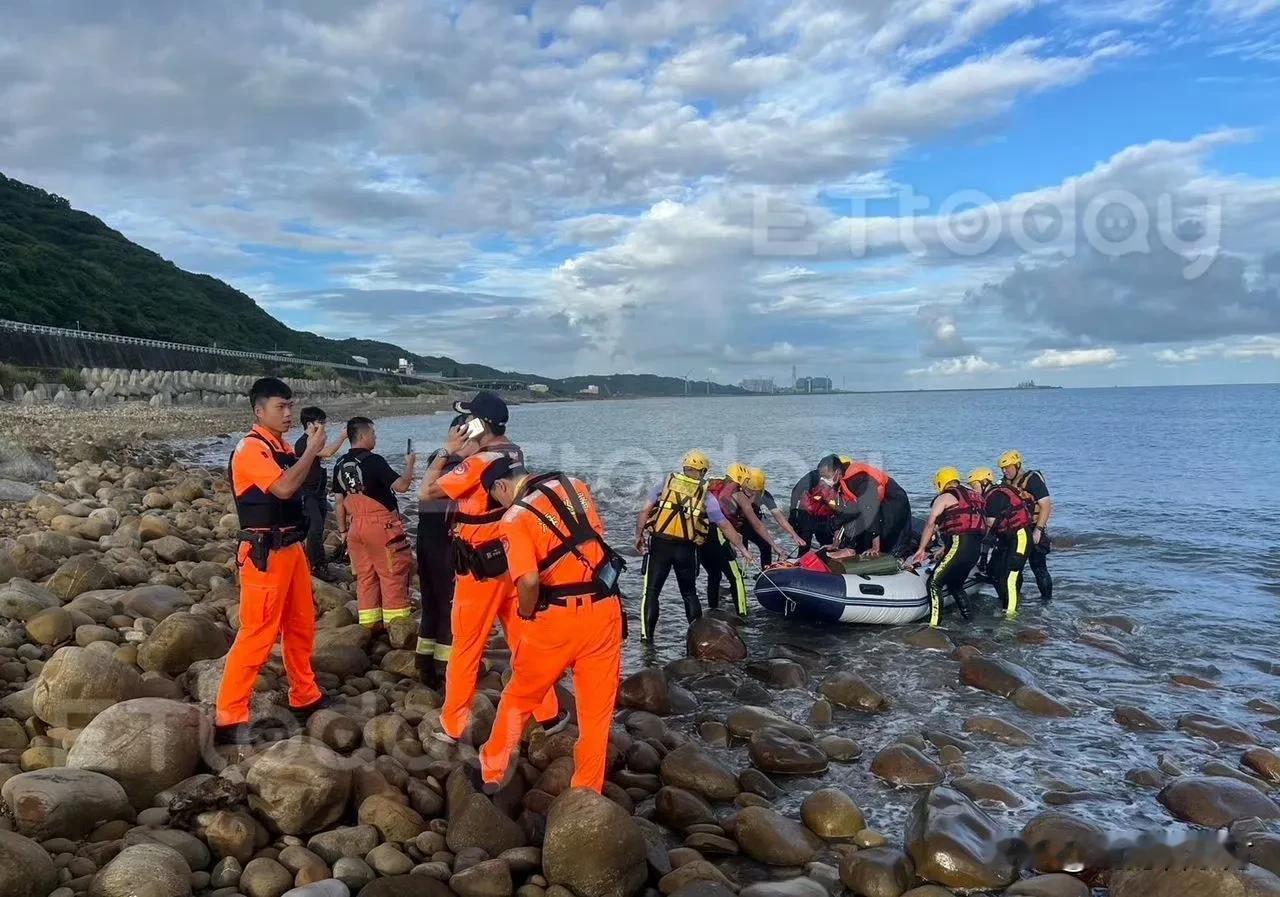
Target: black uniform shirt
315,481
377,473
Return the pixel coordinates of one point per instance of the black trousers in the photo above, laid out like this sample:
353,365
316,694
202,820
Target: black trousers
315,508
665,556
751,537
1038,558
812,530
959,556
895,523
1005,568
435,578
720,561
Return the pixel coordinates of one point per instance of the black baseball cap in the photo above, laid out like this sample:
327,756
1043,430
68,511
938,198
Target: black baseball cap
499,470
486,406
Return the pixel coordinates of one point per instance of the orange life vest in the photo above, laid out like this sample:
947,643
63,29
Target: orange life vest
881,479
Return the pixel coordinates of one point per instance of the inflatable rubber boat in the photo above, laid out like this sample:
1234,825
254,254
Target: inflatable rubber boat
875,592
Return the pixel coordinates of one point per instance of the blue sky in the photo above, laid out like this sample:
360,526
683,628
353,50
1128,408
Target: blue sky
894,193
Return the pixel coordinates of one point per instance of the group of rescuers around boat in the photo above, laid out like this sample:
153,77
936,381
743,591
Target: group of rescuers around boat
498,542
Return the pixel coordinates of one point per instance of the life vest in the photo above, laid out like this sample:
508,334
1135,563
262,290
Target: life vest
1018,516
259,510
570,524
493,510
350,475
965,516
1019,485
881,479
819,502
725,490
681,510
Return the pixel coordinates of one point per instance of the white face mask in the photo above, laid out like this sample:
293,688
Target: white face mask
829,481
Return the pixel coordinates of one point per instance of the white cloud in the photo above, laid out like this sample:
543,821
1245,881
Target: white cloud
956,367
1060,360
1244,9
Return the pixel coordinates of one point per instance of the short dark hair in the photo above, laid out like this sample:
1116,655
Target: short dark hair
459,420
311,414
499,470
832,463
268,388
357,427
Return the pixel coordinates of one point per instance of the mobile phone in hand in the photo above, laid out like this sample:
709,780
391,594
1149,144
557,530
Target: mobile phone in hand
409,450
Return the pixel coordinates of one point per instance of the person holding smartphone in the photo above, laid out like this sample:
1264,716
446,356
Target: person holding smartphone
369,520
435,573
315,490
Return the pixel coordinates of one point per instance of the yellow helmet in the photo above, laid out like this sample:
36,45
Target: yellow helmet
845,460
697,461
944,477
1011,458
738,472
756,480
981,475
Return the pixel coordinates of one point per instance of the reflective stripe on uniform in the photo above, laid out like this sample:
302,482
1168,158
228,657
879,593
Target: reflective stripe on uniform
1011,584
736,580
444,652
400,613
371,617
426,646
644,597
935,591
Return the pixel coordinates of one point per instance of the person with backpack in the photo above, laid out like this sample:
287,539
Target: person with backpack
369,520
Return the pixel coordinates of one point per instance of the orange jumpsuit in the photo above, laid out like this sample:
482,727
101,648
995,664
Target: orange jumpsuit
585,635
274,602
478,603
380,559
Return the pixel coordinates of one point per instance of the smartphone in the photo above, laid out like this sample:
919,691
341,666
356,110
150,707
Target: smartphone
475,427
409,450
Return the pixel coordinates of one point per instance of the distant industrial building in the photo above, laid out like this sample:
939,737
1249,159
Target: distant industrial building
539,387
590,390
759,384
405,366
813,384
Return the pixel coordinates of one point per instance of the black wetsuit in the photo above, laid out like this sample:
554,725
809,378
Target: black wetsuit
869,517
811,529
435,575
315,506
1038,555
1010,553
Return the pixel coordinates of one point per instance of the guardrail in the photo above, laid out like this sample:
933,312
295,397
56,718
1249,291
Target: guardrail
94,336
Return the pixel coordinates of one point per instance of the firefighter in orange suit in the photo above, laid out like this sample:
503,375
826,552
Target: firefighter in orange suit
276,600
566,578
483,592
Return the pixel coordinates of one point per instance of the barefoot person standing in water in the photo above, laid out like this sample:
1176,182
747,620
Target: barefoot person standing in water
275,578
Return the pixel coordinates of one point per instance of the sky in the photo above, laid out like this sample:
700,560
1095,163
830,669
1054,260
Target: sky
891,193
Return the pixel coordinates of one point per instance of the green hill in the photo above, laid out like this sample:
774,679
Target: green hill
65,268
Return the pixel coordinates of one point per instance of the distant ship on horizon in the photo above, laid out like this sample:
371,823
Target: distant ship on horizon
1031,384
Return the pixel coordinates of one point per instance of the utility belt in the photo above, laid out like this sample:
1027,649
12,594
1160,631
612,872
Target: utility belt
263,542
488,560
563,596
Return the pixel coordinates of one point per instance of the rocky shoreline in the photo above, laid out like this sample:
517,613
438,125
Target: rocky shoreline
118,602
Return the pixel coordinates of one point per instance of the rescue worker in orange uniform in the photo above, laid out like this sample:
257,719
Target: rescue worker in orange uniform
957,516
567,578
483,591
276,599
369,519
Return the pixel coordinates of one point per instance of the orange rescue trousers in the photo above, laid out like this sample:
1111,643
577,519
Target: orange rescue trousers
585,637
273,604
477,603
380,559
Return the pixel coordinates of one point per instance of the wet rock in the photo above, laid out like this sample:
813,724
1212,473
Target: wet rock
491,878
792,887
475,822
697,878
1137,720
832,815
930,639
878,872
996,676
849,690
901,764
694,769
299,787
593,848
1215,801
1109,645
1185,882
25,869
162,869
771,838
1214,729
998,730
753,781
712,639
821,714
1053,885
779,673
839,749
1037,702
952,842
773,751
180,640
982,790
678,809
743,722
646,690
147,745
1263,762
1145,777
1059,842
156,601
1218,768
1118,622
1189,681
63,803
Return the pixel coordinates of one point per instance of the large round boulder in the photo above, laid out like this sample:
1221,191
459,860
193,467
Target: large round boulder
646,690
144,870
678,809
299,786
902,764
1216,801
999,677
593,848
25,869
22,600
878,872
774,751
180,640
156,601
743,722
953,843
695,769
715,640
1062,843
147,745
832,815
849,690
77,684
475,822
769,837
63,802
79,575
